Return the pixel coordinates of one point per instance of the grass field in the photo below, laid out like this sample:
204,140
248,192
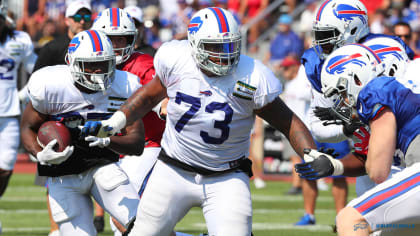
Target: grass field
23,211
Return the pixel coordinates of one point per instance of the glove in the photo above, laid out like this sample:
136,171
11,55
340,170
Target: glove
98,142
361,146
104,128
322,165
330,116
50,157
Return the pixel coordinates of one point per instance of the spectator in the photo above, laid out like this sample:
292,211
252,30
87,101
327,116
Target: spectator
46,34
78,18
306,20
286,43
33,16
247,11
404,31
140,44
179,21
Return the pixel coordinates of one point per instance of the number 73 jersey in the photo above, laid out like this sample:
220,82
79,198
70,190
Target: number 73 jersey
210,119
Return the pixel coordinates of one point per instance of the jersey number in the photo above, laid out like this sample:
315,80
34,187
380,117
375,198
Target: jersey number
8,64
223,125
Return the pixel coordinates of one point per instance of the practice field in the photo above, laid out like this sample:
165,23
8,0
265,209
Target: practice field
23,211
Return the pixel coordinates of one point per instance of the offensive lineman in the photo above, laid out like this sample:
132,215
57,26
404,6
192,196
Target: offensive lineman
211,112
89,88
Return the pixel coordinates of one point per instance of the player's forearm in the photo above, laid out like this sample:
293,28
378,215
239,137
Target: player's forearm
354,165
299,136
29,141
132,143
140,103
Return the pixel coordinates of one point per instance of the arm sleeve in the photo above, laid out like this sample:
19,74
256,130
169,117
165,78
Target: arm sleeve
321,133
36,91
269,86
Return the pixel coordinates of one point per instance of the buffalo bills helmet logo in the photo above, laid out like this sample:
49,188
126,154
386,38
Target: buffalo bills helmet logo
74,44
384,50
347,13
338,64
195,25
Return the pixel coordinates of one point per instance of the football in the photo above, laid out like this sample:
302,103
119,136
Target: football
54,130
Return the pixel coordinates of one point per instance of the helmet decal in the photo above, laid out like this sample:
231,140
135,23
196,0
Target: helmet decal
114,17
378,60
195,24
221,19
338,63
96,40
347,13
73,45
321,8
383,50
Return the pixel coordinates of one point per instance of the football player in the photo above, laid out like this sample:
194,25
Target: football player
214,94
120,29
386,105
394,60
337,23
89,88
15,49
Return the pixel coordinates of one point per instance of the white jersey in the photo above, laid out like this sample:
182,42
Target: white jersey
52,91
15,51
210,118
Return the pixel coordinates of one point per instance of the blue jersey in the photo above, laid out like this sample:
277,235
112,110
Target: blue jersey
404,103
313,64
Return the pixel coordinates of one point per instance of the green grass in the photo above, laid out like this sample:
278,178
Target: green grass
23,211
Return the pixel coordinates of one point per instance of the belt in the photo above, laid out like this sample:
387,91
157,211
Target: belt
243,164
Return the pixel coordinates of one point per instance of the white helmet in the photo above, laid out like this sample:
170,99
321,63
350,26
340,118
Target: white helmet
117,22
91,49
214,34
391,53
339,22
346,71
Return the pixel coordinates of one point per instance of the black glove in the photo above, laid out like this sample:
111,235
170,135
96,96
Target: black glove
318,168
330,116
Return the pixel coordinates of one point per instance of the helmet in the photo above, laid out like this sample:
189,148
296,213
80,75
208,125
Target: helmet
339,22
117,22
391,53
91,49
345,72
215,39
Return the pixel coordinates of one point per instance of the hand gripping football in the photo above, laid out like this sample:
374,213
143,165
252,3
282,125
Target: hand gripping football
54,130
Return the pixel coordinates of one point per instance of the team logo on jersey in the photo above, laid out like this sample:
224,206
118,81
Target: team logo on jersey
338,64
243,90
74,44
348,13
384,50
207,93
195,24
